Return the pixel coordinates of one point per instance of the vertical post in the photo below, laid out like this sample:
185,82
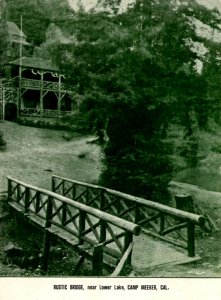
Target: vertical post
102,200
190,239
97,260
137,213
59,96
20,68
18,193
184,202
82,216
53,184
102,222
64,214
37,202
48,212
46,238
3,104
102,231
41,95
87,196
128,239
9,189
63,188
27,197
162,223
73,191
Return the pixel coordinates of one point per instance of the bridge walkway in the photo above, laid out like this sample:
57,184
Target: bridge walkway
150,252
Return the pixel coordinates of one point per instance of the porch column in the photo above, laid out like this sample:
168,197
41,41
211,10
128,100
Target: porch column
59,96
41,95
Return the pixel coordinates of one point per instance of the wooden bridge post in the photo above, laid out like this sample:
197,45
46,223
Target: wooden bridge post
46,238
9,188
127,241
97,260
87,196
162,223
191,239
102,231
82,217
184,202
27,198
102,200
53,184
64,214
63,188
137,213
73,190
102,222
18,193
37,202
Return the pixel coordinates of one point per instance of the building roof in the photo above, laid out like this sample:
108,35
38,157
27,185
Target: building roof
14,30
35,63
16,35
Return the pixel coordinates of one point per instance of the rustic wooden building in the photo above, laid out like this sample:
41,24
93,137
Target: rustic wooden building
36,87
31,86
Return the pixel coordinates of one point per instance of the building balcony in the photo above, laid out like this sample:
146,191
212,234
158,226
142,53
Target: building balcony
47,113
44,85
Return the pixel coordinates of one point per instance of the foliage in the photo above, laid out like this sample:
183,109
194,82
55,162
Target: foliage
3,33
134,74
37,15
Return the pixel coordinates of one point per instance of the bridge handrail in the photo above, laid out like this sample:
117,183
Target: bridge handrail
121,223
197,219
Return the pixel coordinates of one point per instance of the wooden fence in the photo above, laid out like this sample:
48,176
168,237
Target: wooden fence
104,238
166,223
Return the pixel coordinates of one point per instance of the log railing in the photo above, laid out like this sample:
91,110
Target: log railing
108,240
166,223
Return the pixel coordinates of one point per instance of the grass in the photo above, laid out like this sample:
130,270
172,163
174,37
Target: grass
34,154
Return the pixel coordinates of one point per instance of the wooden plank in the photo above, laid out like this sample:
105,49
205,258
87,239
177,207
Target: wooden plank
149,252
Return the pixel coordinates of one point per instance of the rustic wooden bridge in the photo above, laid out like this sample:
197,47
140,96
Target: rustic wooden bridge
104,225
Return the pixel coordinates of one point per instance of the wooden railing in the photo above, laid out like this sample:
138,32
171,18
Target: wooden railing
47,113
45,85
166,223
105,238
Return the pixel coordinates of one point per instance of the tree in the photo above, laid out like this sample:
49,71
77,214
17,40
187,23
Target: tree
136,74
3,33
37,15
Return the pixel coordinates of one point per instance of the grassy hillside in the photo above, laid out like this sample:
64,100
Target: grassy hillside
34,154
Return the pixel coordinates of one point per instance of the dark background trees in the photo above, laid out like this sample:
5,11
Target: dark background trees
3,33
136,73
